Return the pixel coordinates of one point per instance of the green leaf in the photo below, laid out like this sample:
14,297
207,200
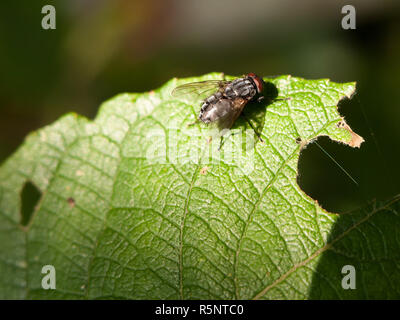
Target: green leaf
137,204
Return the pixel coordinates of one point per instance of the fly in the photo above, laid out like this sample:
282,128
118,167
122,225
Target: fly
225,100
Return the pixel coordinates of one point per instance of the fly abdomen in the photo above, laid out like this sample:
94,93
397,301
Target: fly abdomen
211,100
213,111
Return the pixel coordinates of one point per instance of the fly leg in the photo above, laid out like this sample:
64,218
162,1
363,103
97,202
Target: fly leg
282,99
193,123
222,85
222,141
251,126
262,98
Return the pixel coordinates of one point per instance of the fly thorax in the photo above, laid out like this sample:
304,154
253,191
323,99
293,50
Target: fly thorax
240,88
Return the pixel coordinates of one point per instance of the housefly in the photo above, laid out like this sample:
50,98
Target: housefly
224,100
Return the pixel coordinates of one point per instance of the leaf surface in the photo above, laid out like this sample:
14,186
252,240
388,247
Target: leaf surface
136,204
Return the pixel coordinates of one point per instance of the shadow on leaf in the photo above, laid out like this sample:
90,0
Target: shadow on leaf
254,113
368,240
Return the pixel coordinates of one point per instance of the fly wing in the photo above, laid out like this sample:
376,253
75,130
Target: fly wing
198,90
235,107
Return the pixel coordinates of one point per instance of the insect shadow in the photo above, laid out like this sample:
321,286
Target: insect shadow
254,113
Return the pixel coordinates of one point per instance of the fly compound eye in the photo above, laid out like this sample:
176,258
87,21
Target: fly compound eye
259,83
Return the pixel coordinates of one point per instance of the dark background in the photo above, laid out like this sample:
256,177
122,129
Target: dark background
102,48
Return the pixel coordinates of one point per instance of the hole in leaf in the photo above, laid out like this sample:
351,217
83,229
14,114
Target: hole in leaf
323,180
30,196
